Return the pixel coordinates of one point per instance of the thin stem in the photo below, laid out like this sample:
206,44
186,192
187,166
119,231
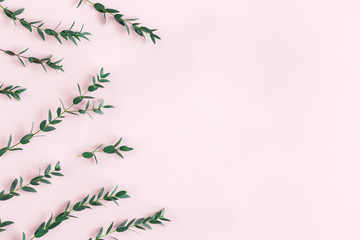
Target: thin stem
68,212
24,185
16,190
18,55
88,110
107,234
5,9
110,13
94,151
133,225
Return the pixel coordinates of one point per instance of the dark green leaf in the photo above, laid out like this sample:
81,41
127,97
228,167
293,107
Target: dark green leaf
87,155
28,189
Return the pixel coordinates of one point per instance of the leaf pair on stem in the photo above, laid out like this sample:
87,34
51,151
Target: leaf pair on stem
110,149
44,61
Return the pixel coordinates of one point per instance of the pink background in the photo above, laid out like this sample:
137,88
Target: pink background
245,119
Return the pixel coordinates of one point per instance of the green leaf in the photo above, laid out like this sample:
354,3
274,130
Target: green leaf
6,197
109,10
109,228
87,155
99,7
21,181
121,229
58,111
50,116
57,174
98,235
41,233
42,125
100,193
47,170
18,12
109,149
122,194
126,148
9,142
41,34
79,3
53,122
77,100
26,139
26,25
13,185
48,129
79,88
28,189
3,151
7,223
118,142
140,227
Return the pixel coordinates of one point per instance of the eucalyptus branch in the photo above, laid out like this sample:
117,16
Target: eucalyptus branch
54,65
67,34
12,91
85,203
111,149
48,125
140,30
4,224
34,182
141,223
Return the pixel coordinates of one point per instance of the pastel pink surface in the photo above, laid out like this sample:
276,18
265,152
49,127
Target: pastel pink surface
244,119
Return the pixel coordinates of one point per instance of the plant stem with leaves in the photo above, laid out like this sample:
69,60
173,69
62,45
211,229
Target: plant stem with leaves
140,30
111,149
140,223
34,182
4,224
85,203
47,125
67,34
12,91
53,65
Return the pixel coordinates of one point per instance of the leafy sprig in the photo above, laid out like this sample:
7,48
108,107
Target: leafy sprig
136,26
4,224
48,173
48,124
110,149
85,203
140,223
12,91
67,34
44,61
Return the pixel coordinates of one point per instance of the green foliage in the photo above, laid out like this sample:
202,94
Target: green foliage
44,61
86,203
4,224
48,125
111,149
12,91
127,23
140,223
48,173
67,34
